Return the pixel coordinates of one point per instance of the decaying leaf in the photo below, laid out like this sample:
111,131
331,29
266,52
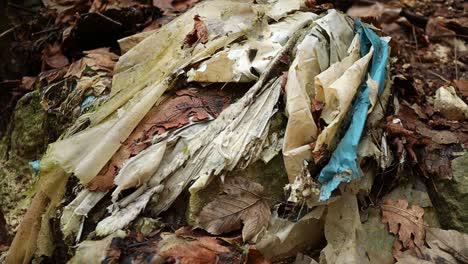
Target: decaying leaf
94,251
173,5
462,86
343,231
443,246
241,203
453,242
198,34
53,57
202,250
406,223
28,82
284,238
450,105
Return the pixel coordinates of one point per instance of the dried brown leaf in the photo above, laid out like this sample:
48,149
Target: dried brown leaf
28,82
182,5
241,203
451,241
170,6
437,28
199,32
101,59
203,250
163,4
406,223
462,86
103,5
254,256
52,56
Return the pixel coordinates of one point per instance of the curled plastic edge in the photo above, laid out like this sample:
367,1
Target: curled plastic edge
343,166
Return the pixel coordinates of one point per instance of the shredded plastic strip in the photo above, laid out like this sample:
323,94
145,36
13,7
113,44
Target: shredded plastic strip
342,166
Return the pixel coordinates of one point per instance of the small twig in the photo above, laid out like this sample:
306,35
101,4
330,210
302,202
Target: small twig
103,16
45,31
438,75
6,32
455,61
138,244
416,40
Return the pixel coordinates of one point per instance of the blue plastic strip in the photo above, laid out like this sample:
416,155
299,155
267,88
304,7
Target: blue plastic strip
36,165
343,166
87,100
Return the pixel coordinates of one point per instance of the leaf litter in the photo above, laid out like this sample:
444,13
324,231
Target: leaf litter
242,202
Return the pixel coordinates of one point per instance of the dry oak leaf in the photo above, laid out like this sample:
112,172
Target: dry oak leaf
52,56
199,32
202,250
406,223
241,203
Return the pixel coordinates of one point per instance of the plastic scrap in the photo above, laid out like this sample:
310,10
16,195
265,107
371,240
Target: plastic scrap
342,166
36,165
313,56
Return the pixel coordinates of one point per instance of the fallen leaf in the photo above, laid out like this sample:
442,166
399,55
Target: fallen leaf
451,241
449,104
103,5
182,5
443,246
254,256
437,28
52,56
199,32
383,12
241,203
101,59
462,86
202,250
163,4
169,7
28,82
406,223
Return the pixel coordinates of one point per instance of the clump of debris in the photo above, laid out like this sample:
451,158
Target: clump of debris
238,132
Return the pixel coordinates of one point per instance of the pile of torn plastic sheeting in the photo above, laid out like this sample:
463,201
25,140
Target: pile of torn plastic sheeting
197,102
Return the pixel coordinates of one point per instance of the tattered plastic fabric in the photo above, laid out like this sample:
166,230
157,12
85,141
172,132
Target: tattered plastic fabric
143,74
235,63
207,154
339,94
342,166
344,234
285,238
313,56
73,214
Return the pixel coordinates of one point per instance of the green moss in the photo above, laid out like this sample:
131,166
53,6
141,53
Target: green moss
24,141
16,178
28,137
450,197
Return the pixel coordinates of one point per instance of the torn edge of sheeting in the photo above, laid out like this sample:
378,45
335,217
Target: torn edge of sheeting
343,166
